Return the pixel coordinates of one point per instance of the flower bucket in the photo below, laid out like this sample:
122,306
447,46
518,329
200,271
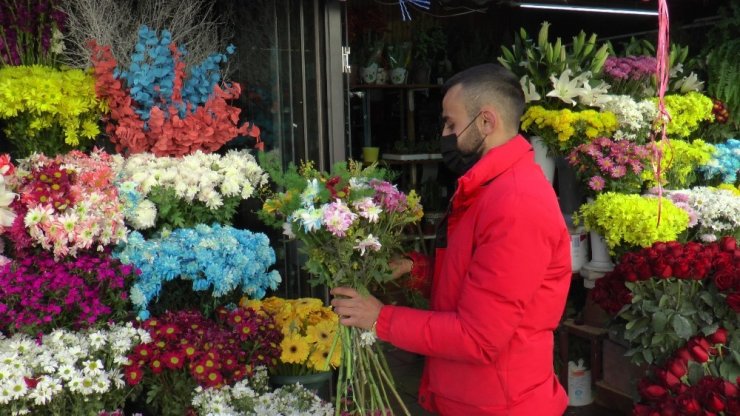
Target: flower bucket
570,192
546,162
369,74
317,383
370,154
600,263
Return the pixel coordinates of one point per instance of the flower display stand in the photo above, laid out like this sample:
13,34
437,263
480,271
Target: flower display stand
619,383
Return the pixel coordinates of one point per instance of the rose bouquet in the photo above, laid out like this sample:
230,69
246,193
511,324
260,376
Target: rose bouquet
714,212
309,329
725,162
350,222
629,221
67,204
190,350
81,292
66,373
48,110
562,130
608,165
669,292
251,397
168,192
690,381
215,261
155,108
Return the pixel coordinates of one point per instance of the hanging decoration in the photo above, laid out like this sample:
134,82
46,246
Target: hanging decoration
663,69
405,15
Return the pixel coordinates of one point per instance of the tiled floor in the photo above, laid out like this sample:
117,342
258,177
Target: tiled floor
406,369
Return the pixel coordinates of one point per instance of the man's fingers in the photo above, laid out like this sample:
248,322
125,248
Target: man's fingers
344,291
342,303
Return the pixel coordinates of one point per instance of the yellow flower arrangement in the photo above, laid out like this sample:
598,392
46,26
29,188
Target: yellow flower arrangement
627,221
48,110
687,111
310,340
679,162
563,130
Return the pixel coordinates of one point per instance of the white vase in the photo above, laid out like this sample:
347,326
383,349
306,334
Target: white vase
600,263
546,162
369,74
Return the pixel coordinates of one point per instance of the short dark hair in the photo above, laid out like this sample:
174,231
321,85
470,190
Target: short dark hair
490,84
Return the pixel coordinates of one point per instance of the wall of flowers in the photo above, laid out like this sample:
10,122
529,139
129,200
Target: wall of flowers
664,215
125,289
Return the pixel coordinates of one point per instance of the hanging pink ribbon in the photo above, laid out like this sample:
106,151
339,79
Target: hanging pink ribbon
662,72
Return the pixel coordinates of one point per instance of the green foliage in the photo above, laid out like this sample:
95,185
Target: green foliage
175,212
429,44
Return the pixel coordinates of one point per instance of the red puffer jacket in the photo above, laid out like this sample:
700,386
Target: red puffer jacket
498,293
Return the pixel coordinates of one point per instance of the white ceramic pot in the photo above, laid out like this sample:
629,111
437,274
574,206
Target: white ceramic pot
546,162
398,76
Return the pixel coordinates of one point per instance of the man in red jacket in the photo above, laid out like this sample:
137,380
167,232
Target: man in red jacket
501,269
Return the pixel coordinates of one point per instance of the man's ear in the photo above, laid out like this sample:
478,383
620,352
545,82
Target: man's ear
489,120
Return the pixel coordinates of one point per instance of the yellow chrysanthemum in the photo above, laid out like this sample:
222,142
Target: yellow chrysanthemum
273,304
295,349
320,356
255,304
323,332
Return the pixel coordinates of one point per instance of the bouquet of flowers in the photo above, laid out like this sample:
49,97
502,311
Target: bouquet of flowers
724,163
634,118
717,211
670,291
562,130
309,329
680,161
48,110
31,32
155,108
627,221
66,373
67,204
189,350
609,165
350,222
215,260
252,398
200,188
81,292
688,382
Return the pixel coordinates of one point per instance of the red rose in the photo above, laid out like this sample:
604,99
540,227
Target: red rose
719,337
643,410
684,355
724,279
663,270
659,246
698,353
652,392
714,402
644,272
667,377
734,301
677,367
682,270
728,244
688,405
729,389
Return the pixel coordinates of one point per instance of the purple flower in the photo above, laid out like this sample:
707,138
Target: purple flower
618,171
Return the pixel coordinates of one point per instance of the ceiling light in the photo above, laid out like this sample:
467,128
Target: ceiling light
569,8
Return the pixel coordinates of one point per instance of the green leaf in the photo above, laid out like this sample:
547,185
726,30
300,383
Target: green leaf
729,370
683,327
660,319
648,354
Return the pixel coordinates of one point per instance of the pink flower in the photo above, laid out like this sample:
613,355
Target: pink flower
596,183
338,218
618,171
369,243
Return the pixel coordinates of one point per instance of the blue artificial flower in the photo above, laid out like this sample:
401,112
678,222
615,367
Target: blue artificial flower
725,162
217,258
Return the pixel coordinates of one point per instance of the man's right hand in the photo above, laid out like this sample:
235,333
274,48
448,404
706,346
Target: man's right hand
401,266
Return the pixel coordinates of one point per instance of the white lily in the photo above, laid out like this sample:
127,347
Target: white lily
567,89
594,96
689,83
530,91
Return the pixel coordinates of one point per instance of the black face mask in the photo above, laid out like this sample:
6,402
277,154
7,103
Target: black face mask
455,161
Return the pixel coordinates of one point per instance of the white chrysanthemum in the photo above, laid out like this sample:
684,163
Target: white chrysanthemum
145,215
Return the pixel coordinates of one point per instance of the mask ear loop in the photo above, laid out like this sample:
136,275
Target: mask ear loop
469,124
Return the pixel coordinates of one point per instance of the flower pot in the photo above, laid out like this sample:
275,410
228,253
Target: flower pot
570,191
398,76
601,262
546,162
381,76
317,383
370,154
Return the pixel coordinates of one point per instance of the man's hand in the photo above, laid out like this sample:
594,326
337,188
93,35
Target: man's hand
400,266
354,309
